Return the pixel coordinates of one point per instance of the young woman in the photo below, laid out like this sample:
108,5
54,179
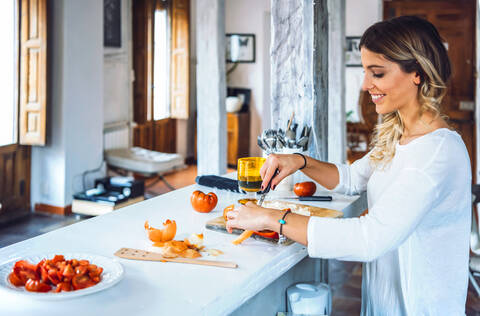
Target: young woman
415,238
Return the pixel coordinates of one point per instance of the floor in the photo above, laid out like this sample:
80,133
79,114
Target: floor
345,277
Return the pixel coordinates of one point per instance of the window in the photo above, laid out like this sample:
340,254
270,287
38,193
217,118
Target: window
161,71
8,75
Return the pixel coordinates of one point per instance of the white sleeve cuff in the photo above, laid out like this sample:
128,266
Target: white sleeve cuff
343,177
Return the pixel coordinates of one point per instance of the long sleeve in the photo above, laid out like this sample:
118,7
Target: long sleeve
353,178
390,221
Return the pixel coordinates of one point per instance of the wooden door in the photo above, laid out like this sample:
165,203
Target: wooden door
455,21
32,95
14,181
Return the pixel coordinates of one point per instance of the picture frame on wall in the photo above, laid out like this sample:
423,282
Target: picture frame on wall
352,53
112,24
240,48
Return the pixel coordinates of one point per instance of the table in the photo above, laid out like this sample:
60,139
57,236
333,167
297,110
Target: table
256,287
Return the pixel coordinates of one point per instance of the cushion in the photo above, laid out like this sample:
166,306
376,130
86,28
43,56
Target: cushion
143,161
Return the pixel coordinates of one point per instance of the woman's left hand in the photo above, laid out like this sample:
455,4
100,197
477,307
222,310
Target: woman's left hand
248,217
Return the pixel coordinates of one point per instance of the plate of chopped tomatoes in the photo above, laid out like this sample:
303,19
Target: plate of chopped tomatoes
59,276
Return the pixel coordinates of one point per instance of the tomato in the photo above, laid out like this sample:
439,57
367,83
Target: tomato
202,202
82,282
226,210
81,270
68,272
58,258
161,235
15,280
63,286
305,188
66,275
267,234
37,286
53,276
24,270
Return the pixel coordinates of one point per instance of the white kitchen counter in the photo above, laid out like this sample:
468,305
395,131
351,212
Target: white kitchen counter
156,288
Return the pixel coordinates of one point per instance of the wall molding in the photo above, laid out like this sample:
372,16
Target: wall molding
51,209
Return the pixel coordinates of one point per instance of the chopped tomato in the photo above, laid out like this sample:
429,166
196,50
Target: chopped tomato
63,287
37,286
58,258
53,276
82,282
66,275
15,280
68,272
81,270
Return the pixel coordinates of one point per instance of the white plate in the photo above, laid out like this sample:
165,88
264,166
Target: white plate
112,273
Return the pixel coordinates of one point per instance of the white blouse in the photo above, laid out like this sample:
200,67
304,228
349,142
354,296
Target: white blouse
415,237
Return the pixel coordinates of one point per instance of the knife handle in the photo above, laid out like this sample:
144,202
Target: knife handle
315,198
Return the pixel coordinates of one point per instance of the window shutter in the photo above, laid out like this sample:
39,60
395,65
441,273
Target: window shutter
179,91
33,72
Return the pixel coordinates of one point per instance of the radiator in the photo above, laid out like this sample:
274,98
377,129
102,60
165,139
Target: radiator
116,135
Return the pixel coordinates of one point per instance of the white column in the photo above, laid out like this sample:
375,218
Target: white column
211,87
337,139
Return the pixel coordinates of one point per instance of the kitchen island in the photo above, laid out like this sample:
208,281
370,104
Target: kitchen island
256,287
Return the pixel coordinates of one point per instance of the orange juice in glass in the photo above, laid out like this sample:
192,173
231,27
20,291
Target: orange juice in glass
248,174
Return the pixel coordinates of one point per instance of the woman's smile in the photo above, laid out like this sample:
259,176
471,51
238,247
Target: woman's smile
377,98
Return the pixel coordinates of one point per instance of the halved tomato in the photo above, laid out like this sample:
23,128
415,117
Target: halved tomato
82,282
37,286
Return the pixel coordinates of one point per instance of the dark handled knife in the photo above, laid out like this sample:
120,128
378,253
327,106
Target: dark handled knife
263,193
311,198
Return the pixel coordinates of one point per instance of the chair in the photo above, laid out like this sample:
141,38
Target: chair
474,264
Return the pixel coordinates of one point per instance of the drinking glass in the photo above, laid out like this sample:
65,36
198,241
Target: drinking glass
248,174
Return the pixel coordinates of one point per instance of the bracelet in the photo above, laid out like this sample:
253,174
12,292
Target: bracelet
304,160
282,221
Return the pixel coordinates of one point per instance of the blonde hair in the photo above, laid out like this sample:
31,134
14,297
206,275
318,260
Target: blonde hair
415,45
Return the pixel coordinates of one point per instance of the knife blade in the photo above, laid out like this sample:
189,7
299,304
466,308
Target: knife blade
309,198
267,189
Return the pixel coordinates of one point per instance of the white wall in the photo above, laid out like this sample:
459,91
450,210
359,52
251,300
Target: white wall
359,16
253,16
117,83
75,104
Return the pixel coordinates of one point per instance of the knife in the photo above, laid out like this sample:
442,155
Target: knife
267,189
309,198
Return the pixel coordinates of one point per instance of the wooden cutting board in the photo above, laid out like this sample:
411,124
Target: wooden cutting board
218,223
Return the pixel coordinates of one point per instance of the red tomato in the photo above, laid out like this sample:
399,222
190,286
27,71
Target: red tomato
305,188
37,286
63,287
24,270
53,276
81,270
202,202
68,272
82,282
15,280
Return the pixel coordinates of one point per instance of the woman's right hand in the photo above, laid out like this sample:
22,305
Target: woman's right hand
286,165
